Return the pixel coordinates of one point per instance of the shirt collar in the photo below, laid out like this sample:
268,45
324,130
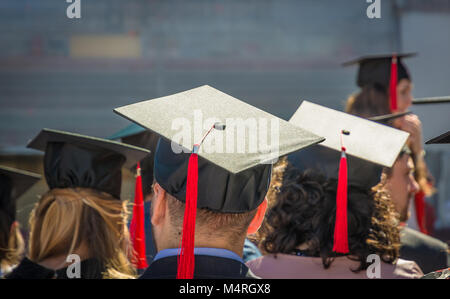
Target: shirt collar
218,252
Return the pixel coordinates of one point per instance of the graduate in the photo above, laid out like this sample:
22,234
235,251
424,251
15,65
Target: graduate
328,209
78,228
13,183
207,194
430,253
386,88
385,85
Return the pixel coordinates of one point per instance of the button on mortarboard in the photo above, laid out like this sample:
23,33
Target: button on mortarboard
75,160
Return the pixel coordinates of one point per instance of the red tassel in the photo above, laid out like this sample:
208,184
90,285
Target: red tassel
137,226
419,203
186,257
393,85
340,227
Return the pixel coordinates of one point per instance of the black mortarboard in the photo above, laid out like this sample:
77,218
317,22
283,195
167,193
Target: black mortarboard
376,69
74,160
370,146
229,175
139,136
383,71
13,183
443,138
387,118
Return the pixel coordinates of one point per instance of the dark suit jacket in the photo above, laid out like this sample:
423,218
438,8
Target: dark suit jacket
27,269
206,267
429,253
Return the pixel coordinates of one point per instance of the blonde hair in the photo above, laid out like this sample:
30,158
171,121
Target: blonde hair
15,247
66,219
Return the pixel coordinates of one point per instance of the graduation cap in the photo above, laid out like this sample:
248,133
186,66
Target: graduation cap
194,170
13,183
74,160
434,114
387,118
431,100
384,71
370,147
443,138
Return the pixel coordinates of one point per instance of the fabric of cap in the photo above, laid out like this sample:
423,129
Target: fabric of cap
443,138
218,189
375,69
74,160
13,183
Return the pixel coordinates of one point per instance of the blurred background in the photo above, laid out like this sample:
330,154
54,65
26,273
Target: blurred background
69,74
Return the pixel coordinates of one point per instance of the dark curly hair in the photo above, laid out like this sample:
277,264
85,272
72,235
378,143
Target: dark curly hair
302,210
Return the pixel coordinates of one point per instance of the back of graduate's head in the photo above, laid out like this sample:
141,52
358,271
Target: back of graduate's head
212,228
301,215
83,221
371,100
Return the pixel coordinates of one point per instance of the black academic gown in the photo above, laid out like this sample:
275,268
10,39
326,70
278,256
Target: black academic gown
206,267
27,269
428,252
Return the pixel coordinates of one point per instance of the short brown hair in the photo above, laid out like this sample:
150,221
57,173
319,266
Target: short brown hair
230,225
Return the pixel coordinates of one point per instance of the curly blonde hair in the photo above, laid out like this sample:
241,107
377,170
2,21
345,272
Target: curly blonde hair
302,209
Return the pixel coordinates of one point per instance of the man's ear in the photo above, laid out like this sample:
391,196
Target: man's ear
258,219
158,204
